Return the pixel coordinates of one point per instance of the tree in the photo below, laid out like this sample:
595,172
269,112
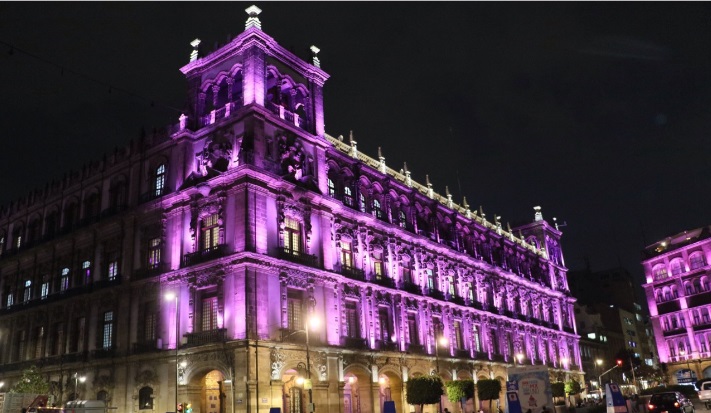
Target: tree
32,381
458,391
558,391
572,387
424,390
488,389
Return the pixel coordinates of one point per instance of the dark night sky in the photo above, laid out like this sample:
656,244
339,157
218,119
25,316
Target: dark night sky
598,112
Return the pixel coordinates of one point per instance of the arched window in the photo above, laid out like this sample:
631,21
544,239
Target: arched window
696,260
103,395
331,188
402,221
159,183
361,202
348,196
676,267
145,398
377,211
660,272
64,281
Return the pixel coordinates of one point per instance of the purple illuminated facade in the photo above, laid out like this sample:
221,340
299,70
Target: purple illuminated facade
254,220
678,290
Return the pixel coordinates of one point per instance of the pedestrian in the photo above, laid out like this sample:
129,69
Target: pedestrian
446,410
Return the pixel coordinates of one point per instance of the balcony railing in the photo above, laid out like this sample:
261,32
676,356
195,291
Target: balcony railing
218,335
384,281
411,288
355,343
204,255
352,273
144,347
103,353
436,294
416,348
298,257
456,300
290,117
149,272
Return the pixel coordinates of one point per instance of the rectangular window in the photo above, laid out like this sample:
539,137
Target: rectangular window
210,235
21,346
27,296
412,327
431,280
153,253
59,339
406,272
292,235
346,255
149,327
113,270
458,335
39,344
107,337
352,320
45,290
294,307
331,188
209,314
77,339
384,332
86,269
476,338
10,300
160,180
452,287
64,281
378,267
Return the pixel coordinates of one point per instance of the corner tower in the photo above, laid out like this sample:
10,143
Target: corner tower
253,69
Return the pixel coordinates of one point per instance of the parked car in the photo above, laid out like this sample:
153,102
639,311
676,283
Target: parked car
670,402
705,393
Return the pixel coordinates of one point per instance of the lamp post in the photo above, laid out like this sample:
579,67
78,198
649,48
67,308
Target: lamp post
77,379
171,296
604,373
598,362
311,322
443,341
232,395
519,356
682,353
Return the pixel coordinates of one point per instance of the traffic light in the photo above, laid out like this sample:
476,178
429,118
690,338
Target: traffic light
188,408
180,407
619,362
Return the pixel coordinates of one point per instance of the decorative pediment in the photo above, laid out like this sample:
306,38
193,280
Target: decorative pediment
206,278
295,278
350,290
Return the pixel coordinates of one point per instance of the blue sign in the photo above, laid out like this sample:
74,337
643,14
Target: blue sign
389,407
616,402
685,376
512,401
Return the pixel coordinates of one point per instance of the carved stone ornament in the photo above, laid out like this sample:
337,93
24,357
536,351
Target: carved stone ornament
206,278
278,361
295,278
320,362
146,377
351,290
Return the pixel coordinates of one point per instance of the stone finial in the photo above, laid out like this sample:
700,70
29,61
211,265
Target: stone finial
450,203
430,191
183,121
314,51
538,215
555,222
408,177
354,146
253,19
381,167
194,54
467,211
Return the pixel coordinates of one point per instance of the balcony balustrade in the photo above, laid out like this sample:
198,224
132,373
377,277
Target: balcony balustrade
352,273
218,335
204,255
298,257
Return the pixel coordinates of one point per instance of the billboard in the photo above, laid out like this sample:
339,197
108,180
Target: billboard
533,387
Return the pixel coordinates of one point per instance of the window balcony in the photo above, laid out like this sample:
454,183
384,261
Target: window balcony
218,335
103,353
674,331
462,353
298,257
456,299
436,294
415,348
204,255
150,195
146,346
387,346
352,273
411,288
290,117
384,281
354,343
225,111
149,272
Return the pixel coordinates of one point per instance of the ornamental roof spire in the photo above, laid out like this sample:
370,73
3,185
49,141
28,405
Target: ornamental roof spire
538,215
314,51
381,167
253,21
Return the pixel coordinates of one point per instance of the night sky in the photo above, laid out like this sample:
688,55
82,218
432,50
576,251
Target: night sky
598,112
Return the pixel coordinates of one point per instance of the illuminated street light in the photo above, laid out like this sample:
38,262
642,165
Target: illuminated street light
171,296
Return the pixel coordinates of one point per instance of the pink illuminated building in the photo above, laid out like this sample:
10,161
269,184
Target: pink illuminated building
193,260
678,289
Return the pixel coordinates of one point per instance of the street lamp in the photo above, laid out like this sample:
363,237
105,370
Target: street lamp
171,296
311,322
682,353
232,397
519,356
598,362
443,342
77,379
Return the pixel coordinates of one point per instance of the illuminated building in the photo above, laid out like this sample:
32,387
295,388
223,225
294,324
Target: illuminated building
678,293
253,219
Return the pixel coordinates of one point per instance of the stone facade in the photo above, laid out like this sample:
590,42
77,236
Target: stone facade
194,258
678,293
